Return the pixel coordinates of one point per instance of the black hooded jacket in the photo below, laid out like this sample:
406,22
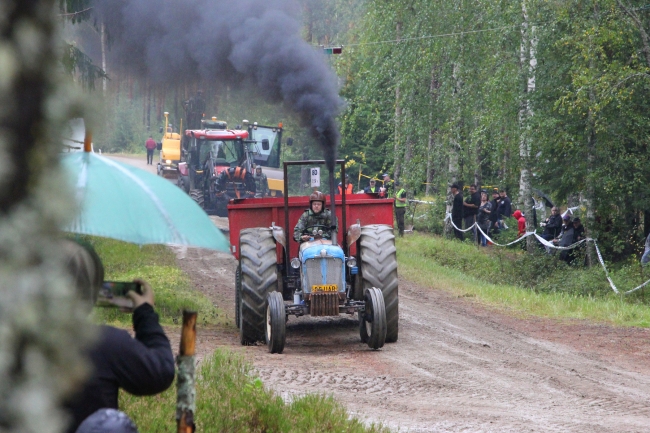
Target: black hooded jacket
143,365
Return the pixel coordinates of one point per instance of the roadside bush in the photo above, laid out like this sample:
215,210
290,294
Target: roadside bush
231,398
540,272
157,265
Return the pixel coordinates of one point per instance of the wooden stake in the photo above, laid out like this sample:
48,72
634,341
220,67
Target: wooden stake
185,389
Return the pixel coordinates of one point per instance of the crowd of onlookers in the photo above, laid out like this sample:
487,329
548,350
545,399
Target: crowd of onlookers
490,215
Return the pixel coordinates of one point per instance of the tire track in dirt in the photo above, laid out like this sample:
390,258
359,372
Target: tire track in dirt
451,370
457,367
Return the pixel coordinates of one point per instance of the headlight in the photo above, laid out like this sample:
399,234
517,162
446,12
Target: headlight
352,262
169,161
295,263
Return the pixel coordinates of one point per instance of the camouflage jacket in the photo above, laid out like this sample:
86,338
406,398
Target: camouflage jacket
261,185
308,219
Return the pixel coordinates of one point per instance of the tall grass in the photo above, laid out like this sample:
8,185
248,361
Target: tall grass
535,284
157,265
230,398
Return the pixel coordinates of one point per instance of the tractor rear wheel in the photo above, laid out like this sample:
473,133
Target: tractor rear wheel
276,323
378,268
259,277
237,295
372,322
197,196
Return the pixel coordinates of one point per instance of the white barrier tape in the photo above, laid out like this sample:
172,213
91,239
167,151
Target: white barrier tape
637,288
600,259
524,236
454,225
551,245
420,201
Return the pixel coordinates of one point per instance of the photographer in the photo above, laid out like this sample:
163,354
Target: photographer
552,225
143,365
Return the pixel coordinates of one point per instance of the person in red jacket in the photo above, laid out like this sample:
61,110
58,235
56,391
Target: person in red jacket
150,144
521,222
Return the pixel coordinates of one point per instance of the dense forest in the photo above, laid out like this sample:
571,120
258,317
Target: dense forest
527,95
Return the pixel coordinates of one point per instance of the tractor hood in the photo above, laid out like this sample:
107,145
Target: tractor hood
315,251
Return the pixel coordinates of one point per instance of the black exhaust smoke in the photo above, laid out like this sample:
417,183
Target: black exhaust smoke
240,42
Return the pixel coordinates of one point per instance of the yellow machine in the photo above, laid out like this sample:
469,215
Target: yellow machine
170,151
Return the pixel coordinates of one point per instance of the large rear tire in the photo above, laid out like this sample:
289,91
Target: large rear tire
372,322
379,269
276,323
197,196
259,277
238,296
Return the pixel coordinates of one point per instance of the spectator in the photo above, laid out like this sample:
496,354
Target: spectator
552,225
566,238
348,186
578,230
107,421
143,365
388,190
493,212
457,210
150,145
505,208
566,225
645,258
483,217
261,183
371,188
400,207
521,222
471,205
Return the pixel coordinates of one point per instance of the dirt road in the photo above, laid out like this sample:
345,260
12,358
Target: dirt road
457,367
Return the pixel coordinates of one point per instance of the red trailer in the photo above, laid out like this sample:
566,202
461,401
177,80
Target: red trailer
277,276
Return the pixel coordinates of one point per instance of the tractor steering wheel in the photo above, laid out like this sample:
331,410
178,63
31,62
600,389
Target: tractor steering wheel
309,231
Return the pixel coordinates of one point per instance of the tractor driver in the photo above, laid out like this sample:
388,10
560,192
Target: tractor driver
316,218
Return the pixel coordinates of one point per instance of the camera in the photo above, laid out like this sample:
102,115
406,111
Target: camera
113,294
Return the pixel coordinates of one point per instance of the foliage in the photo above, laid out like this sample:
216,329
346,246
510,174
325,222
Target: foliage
156,264
557,287
230,397
461,83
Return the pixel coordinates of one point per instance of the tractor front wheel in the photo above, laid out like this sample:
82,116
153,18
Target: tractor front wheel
276,323
372,322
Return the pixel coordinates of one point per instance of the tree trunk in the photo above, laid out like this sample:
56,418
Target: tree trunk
433,96
102,36
398,116
528,64
43,326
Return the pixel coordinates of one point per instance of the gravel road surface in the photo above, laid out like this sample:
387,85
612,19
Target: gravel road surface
457,367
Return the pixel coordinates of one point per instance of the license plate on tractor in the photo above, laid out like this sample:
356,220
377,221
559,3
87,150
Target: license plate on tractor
325,288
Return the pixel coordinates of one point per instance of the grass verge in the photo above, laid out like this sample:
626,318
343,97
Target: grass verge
157,265
530,285
230,398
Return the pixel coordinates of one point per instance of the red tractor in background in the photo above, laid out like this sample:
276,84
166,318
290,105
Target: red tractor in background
277,277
